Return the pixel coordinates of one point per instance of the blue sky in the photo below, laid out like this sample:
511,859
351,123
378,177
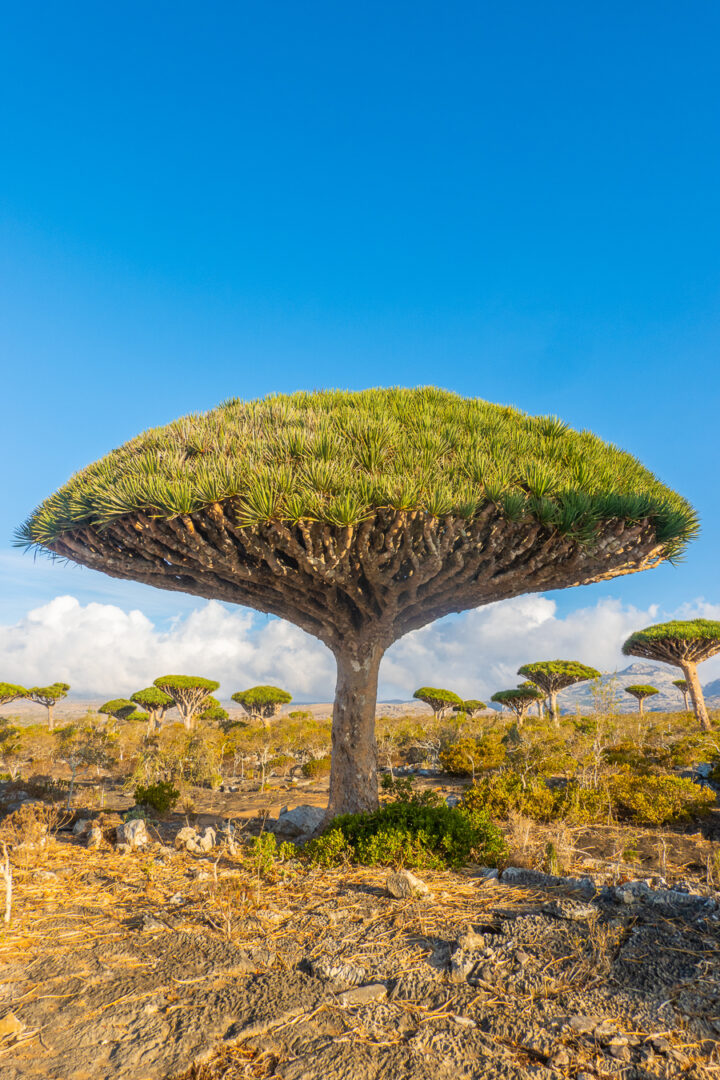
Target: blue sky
513,201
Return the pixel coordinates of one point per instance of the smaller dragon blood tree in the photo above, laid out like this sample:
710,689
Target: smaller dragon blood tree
682,686
262,702
684,645
552,676
640,693
189,694
49,697
119,708
519,700
155,703
469,708
440,701
10,692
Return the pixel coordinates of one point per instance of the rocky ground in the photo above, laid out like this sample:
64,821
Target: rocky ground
188,956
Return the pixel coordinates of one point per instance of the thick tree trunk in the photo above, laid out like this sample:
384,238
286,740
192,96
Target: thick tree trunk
641,706
552,697
691,676
51,717
687,703
354,770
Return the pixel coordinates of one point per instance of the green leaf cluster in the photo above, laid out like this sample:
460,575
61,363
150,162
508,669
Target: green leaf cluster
338,456
437,698
690,630
641,691
10,692
152,698
519,696
168,683
551,674
258,697
45,695
120,708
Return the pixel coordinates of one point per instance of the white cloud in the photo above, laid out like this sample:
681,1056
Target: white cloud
104,651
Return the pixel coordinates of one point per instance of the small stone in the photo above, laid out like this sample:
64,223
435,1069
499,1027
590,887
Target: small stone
560,1057
123,849
94,837
207,841
404,885
133,833
471,942
605,1030
464,1021
82,827
583,1025
461,965
186,839
661,1044
10,1025
363,995
522,957
620,1053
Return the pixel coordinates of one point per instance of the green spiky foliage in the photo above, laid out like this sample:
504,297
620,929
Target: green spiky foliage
338,456
440,701
640,693
519,699
119,708
11,692
262,702
361,517
552,676
469,707
49,696
212,712
683,644
189,694
155,703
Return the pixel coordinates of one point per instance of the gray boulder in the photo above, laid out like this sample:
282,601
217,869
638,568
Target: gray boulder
301,821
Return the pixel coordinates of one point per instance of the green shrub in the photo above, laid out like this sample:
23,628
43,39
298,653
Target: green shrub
499,796
417,831
160,796
460,757
658,800
264,852
317,768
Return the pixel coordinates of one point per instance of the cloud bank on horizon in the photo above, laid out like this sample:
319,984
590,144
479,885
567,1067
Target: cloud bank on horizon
104,651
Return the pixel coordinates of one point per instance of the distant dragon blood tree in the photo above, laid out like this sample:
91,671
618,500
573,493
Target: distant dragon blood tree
469,708
49,697
682,686
189,693
440,701
262,702
640,693
10,692
119,708
518,700
155,703
683,644
552,676
360,517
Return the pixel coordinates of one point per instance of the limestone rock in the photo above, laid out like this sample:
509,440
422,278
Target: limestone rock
133,833
301,821
404,885
363,995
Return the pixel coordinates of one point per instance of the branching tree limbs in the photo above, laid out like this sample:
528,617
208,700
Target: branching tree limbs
518,700
189,694
684,645
155,703
552,676
10,692
640,693
49,697
360,517
262,702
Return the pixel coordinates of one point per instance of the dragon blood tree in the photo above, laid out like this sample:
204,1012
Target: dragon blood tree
10,692
360,517
155,703
262,702
440,701
552,676
518,700
189,694
640,693
682,686
49,697
119,708
683,644
469,708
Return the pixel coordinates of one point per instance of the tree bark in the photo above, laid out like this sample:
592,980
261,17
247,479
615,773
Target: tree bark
51,717
641,704
552,696
354,769
689,670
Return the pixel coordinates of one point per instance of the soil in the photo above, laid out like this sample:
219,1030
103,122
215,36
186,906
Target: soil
163,964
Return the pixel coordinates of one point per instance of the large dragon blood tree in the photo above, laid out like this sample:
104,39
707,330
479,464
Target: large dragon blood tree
685,644
361,517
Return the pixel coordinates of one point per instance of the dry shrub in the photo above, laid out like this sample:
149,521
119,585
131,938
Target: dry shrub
26,831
